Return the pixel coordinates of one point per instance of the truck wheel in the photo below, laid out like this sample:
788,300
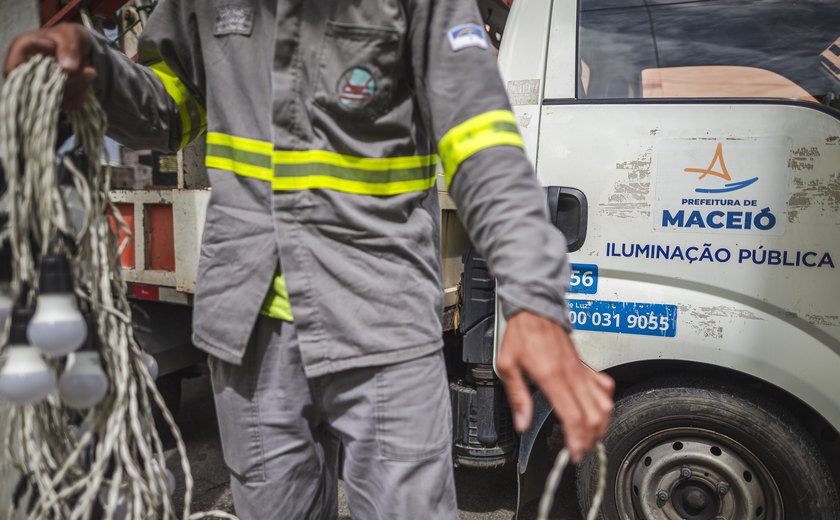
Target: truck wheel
698,451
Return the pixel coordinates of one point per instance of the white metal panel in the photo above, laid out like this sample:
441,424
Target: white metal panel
562,47
778,322
170,295
189,208
521,63
189,212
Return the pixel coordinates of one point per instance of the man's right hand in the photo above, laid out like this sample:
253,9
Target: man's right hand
538,347
70,44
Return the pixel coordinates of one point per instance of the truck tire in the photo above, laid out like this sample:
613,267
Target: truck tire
702,451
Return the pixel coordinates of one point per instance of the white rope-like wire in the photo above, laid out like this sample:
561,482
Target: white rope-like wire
554,477
119,461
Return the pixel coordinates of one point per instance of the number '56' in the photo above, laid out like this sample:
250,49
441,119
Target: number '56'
586,279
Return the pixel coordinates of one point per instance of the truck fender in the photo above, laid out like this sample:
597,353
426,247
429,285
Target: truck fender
533,463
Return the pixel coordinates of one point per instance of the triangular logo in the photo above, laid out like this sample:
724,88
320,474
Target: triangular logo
718,158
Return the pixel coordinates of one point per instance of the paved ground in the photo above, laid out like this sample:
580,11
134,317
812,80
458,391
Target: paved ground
481,494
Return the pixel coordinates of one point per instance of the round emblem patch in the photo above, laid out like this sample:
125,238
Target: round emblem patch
356,88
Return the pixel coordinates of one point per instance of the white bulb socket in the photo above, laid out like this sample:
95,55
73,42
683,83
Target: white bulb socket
25,378
83,383
151,365
57,328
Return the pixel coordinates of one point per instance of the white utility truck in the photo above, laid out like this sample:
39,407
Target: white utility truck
690,152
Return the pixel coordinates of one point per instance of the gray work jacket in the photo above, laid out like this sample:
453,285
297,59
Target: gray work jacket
323,120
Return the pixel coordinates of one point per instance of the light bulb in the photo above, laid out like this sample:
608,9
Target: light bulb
57,328
83,383
170,482
151,365
5,307
24,378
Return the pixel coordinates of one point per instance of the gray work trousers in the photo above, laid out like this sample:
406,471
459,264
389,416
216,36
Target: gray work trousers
281,434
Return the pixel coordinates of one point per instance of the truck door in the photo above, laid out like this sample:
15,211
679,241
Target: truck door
705,139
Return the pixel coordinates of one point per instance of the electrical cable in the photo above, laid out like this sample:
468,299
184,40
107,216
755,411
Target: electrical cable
113,463
556,474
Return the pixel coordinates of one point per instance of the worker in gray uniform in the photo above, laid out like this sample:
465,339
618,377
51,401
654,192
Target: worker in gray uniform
318,294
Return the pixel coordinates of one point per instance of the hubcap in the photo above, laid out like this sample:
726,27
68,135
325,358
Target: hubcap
694,500
695,474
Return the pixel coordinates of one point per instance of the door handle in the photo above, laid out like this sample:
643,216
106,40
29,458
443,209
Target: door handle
568,210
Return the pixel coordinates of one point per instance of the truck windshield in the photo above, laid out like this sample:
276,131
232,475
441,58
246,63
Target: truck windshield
710,48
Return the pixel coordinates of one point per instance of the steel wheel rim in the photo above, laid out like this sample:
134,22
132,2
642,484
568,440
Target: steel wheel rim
704,475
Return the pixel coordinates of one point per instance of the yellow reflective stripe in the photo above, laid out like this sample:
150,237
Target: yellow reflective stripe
494,128
349,161
240,168
326,182
319,156
243,156
179,93
319,169
240,143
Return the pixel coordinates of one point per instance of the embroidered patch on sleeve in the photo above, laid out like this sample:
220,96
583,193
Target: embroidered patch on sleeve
233,19
467,35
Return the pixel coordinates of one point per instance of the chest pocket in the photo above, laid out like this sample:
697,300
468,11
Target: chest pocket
359,68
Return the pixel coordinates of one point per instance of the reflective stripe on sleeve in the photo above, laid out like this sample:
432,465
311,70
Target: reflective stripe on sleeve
247,157
193,118
320,169
494,128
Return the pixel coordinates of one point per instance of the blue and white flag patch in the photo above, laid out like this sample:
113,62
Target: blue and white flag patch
467,35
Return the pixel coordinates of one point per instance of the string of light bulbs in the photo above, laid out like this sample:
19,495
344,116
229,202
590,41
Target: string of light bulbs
84,442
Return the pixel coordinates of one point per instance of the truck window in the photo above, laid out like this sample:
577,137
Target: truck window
710,48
